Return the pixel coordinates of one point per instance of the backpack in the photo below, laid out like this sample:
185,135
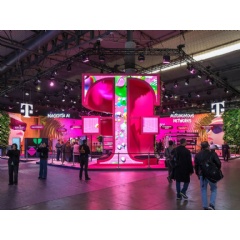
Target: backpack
210,170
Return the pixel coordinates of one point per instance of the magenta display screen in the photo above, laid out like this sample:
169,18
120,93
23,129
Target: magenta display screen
90,125
150,125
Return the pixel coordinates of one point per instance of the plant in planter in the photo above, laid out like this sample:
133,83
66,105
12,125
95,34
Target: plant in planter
4,129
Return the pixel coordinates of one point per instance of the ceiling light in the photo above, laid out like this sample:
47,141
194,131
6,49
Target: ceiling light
187,82
226,90
199,74
65,86
191,68
211,82
27,93
166,59
101,57
163,87
198,95
85,58
175,84
207,79
141,57
51,84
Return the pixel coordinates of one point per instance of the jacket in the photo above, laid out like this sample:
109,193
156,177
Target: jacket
184,167
43,152
14,156
202,155
84,150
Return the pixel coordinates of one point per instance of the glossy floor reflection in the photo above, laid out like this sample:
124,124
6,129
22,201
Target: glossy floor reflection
110,190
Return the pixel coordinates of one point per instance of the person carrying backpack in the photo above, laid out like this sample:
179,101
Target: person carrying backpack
201,158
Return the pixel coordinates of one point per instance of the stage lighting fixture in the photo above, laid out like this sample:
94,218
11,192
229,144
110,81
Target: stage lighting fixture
199,74
65,86
191,68
101,57
211,82
51,83
63,100
207,79
226,90
166,59
69,67
198,95
163,87
187,82
175,84
85,58
141,57
27,93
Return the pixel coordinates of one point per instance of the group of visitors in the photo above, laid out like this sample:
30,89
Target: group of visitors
180,168
14,159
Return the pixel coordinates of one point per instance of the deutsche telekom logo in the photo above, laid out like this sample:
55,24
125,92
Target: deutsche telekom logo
27,109
218,108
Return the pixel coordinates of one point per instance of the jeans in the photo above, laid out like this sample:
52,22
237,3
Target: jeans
43,168
213,188
184,189
13,173
58,154
83,161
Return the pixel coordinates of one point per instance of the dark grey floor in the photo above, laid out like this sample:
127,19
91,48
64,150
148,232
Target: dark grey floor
115,190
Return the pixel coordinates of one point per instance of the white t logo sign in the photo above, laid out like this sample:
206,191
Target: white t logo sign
27,110
218,108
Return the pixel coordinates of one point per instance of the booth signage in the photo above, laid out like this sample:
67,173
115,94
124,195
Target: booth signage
166,127
218,108
26,109
37,127
182,128
75,127
19,127
182,118
61,130
58,115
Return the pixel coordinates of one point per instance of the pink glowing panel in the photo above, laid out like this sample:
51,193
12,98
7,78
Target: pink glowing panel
150,125
91,125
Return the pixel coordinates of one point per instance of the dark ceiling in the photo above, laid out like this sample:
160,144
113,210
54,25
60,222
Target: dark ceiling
28,56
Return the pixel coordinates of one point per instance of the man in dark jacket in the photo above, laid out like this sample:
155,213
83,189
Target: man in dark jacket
84,151
43,152
204,154
183,169
13,164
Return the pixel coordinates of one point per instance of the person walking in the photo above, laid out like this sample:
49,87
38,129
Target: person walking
204,154
183,168
43,150
168,157
84,152
13,164
225,151
59,149
76,152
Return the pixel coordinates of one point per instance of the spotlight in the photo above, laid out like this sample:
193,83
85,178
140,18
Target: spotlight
141,57
207,79
27,93
37,81
69,67
65,86
199,74
63,100
175,84
101,57
51,84
211,82
85,58
187,82
166,59
198,95
226,90
191,69
163,87
6,95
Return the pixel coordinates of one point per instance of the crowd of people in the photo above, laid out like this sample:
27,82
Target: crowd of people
178,161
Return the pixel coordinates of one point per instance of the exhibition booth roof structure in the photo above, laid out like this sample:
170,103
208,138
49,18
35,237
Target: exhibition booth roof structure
45,68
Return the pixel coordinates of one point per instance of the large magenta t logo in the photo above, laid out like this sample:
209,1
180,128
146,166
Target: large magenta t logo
131,100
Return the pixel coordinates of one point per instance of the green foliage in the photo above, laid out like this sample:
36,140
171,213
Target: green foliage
4,129
100,138
231,126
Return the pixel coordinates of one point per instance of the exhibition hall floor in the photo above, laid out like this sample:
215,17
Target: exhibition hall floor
109,190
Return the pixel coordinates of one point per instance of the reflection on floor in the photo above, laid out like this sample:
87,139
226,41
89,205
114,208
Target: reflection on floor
115,190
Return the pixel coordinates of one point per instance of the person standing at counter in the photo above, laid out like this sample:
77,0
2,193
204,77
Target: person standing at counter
43,150
13,164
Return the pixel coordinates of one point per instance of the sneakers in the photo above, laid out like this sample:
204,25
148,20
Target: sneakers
179,197
184,195
211,207
205,208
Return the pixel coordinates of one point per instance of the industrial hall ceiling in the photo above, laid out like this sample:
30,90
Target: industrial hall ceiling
196,68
